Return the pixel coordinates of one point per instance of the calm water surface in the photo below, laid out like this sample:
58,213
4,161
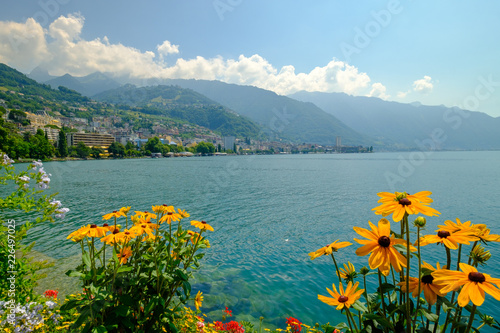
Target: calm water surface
269,212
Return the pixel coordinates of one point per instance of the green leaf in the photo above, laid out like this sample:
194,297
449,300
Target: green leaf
381,320
86,259
429,315
121,310
360,306
181,275
124,269
187,287
70,305
74,273
100,329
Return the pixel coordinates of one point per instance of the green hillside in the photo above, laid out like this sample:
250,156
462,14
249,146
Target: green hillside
183,104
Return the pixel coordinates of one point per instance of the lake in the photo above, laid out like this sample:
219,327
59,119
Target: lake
269,212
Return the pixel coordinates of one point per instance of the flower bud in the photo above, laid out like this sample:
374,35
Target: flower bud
420,222
364,270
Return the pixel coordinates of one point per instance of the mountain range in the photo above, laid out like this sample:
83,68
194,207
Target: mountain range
315,117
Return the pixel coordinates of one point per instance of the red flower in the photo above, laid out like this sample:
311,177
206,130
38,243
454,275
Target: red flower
228,312
50,293
231,327
295,324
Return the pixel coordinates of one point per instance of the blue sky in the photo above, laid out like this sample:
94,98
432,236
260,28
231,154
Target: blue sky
434,52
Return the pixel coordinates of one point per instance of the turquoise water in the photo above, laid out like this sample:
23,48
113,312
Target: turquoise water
269,212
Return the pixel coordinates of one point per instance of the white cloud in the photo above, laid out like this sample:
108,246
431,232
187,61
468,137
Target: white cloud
378,90
423,86
402,94
166,48
60,50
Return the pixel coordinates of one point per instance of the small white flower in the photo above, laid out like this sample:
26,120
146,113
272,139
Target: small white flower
56,203
50,304
25,178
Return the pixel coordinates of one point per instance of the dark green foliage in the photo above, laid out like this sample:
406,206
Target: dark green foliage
62,144
82,150
154,145
205,148
117,149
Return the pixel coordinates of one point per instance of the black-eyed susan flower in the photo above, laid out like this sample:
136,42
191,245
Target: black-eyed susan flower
183,213
198,300
348,273
457,226
431,288
144,228
380,244
125,210
125,236
450,240
342,298
329,249
169,217
112,238
399,203
202,225
124,254
91,230
479,254
474,284
115,213
145,214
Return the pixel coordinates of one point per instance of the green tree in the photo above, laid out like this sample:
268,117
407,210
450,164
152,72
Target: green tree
96,152
62,145
40,146
82,150
154,145
205,148
117,149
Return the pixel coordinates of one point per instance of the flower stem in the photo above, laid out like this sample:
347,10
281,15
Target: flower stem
382,295
419,278
366,294
471,318
336,267
408,255
352,319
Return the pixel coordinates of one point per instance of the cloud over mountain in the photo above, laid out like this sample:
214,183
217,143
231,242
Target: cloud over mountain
60,49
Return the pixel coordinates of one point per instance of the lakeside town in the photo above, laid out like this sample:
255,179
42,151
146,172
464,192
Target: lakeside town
115,135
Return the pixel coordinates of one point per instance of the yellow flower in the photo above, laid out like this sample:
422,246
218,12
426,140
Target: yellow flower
380,244
348,273
124,254
450,240
169,217
125,210
145,214
451,226
125,236
76,236
430,288
91,230
400,203
115,213
328,249
479,255
202,225
198,300
475,284
342,298
183,213
112,238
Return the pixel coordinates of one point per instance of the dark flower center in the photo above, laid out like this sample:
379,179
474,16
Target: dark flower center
93,226
427,279
443,234
343,299
203,222
127,233
170,213
476,277
384,241
404,202
115,211
115,231
105,225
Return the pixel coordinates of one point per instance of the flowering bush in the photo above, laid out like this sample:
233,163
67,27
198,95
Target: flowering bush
396,305
20,272
138,280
